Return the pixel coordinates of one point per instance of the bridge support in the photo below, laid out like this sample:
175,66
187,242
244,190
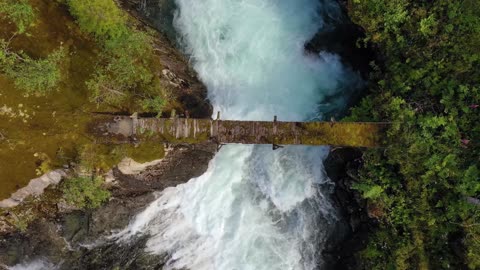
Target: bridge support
275,131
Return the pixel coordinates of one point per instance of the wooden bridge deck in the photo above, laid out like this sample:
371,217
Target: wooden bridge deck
192,131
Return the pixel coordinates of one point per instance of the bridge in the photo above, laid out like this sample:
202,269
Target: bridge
276,133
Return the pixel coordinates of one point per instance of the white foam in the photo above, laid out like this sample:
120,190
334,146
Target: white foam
38,264
254,208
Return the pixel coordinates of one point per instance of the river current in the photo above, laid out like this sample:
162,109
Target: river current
254,208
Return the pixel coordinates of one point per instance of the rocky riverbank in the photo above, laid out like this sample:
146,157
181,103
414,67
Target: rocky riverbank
342,164
342,167
63,236
66,236
43,226
75,238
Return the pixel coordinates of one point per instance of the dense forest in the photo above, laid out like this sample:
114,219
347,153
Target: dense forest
423,188
123,75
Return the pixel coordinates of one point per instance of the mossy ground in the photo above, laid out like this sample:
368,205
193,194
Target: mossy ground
44,129
42,133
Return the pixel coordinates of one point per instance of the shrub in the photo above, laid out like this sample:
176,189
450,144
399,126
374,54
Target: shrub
99,17
34,76
20,12
154,105
126,70
37,76
125,74
85,192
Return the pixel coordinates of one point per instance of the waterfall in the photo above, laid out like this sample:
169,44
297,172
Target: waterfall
254,208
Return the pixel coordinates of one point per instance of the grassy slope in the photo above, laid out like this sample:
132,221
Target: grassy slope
44,132
48,125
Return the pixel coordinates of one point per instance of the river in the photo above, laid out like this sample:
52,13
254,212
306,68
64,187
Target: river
254,208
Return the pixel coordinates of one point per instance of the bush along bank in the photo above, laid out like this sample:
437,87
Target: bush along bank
95,47
425,185
84,206
139,69
59,224
136,68
61,60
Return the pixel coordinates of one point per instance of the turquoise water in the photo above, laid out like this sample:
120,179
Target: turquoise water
254,208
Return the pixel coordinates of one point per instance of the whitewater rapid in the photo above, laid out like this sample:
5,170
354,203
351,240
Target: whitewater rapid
254,208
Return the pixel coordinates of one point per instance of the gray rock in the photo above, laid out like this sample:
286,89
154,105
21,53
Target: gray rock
341,166
66,239
36,187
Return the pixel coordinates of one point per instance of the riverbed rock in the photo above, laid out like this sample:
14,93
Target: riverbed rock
72,237
129,166
190,93
342,166
76,238
340,37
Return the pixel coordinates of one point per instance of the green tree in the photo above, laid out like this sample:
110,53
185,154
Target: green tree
85,192
34,76
20,12
425,81
126,70
124,77
100,17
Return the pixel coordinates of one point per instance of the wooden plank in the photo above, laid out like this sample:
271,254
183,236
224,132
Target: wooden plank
188,130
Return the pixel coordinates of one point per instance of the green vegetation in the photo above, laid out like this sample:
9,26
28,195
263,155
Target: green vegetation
155,104
124,76
19,12
101,158
45,52
426,80
34,76
89,192
21,220
85,192
100,17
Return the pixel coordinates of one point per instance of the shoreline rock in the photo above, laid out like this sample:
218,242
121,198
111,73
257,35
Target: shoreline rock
340,36
59,232
341,164
64,236
176,70
35,187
